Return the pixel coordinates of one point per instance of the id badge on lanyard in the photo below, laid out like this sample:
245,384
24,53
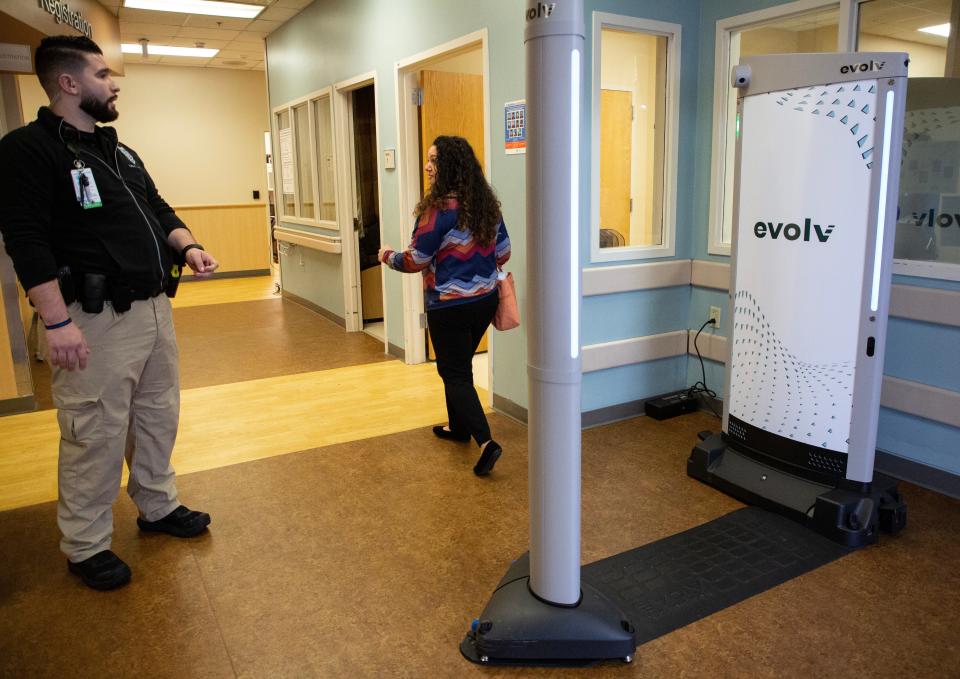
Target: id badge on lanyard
85,187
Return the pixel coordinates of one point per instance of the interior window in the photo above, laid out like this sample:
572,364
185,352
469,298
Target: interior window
632,107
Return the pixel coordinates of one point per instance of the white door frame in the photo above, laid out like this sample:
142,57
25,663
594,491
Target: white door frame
408,175
346,197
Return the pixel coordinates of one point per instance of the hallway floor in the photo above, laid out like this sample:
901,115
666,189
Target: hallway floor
348,541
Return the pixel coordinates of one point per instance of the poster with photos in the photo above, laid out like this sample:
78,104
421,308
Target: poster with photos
515,127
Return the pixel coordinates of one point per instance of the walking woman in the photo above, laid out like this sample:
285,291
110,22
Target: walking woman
459,243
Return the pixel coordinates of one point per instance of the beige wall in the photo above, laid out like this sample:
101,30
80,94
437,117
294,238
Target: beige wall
198,130
784,41
926,61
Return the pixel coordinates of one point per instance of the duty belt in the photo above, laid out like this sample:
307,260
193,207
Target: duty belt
92,290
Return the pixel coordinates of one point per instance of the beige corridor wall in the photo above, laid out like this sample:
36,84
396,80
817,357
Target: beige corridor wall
198,130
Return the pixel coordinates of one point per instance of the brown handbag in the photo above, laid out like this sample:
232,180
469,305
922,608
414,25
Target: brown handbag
508,311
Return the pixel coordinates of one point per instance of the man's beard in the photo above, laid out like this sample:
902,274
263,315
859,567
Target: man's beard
99,110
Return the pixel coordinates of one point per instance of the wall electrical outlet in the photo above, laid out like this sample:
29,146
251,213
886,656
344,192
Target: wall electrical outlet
715,315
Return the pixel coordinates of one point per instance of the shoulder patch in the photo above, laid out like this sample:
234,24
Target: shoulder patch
127,155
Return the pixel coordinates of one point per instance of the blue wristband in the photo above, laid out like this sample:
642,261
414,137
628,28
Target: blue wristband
58,325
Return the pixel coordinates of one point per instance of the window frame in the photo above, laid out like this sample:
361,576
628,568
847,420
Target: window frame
846,38
307,101
672,32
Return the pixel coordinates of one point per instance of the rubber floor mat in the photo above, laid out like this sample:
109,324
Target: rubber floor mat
678,580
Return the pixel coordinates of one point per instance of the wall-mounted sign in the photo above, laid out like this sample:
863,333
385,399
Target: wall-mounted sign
64,15
15,58
286,159
515,126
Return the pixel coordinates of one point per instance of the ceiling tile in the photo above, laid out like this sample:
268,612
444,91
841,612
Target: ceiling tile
229,63
278,14
252,51
204,21
137,60
263,26
245,37
183,61
299,4
207,33
242,55
151,17
938,6
155,38
128,27
192,42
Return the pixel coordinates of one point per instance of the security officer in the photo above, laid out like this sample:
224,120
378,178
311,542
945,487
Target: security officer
96,247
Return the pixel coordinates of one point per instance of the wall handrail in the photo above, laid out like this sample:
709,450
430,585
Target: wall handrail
314,241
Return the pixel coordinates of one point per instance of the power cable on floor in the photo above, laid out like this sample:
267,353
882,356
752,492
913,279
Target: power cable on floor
700,388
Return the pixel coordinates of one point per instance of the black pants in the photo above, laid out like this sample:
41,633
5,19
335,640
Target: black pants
456,332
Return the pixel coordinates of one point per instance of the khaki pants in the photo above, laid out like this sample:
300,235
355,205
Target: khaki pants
126,403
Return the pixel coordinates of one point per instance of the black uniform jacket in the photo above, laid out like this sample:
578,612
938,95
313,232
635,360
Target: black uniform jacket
45,227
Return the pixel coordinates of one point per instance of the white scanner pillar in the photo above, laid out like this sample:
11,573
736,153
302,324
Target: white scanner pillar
541,613
554,40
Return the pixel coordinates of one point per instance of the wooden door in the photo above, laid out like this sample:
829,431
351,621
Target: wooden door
616,114
452,104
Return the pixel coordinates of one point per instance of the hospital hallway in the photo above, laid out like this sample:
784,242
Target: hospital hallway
348,541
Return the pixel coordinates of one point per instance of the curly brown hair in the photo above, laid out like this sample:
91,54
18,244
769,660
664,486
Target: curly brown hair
459,175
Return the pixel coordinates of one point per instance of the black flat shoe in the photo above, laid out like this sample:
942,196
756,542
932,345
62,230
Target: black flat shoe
488,458
102,571
444,433
180,523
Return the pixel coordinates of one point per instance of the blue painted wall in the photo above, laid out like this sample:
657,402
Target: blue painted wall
337,39
332,40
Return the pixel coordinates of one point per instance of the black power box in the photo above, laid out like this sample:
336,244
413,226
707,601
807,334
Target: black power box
671,405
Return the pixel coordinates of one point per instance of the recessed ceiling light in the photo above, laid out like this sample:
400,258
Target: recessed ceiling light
169,50
239,10
941,29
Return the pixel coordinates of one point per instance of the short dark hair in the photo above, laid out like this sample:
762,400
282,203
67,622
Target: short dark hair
62,53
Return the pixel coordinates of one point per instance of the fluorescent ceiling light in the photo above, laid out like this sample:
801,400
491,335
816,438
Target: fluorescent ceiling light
941,29
169,51
239,10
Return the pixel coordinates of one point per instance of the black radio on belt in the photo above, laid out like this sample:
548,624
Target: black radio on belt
93,289
94,293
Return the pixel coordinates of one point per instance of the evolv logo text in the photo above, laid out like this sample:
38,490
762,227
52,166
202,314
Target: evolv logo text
792,231
542,10
943,220
863,68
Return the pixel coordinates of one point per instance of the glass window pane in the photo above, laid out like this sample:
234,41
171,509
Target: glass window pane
325,161
633,69
285,167
928,228
304,162
804,33
894,26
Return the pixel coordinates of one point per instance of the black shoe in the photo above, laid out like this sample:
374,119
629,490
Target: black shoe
104,570
180,523
488,458
444,433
